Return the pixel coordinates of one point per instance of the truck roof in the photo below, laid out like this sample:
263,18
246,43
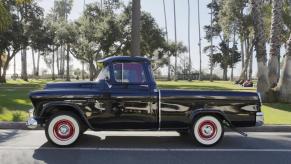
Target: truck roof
123,58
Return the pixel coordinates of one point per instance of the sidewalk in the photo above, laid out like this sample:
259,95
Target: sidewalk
265,128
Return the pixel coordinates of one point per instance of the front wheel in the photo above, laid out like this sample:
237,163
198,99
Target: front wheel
63,129
207,131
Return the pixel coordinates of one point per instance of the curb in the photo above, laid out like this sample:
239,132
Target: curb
266,128
16,126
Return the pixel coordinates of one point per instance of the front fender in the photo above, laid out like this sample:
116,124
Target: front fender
60,104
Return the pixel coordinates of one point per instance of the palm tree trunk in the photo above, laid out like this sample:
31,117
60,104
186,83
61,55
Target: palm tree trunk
58,61
14,68
211,55
135,33
53,64
189,41
175,29
225,74
251,64
37,67
275,45
33,61
83,71
263,79
167,37
242,52
24,65
200,51
68,63
284,85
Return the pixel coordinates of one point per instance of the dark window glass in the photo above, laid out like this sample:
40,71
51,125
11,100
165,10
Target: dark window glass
129,72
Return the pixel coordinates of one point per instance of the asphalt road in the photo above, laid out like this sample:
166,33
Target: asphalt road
20,146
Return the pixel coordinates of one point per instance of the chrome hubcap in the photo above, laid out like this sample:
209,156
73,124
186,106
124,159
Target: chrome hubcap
64,129
207,130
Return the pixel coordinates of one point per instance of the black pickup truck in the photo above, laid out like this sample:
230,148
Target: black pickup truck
125,97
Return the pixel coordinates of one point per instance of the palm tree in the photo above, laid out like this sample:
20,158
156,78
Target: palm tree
199,31
284,85
275,45
211,52
263,84
83,71
175,29
189,42
135,33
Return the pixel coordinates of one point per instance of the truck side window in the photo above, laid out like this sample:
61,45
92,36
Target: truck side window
129,72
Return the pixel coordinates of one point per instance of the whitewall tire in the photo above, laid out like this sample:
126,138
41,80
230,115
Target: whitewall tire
63,129
207,130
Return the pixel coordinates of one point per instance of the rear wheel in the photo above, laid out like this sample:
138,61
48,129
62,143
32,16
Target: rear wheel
63,129
207,131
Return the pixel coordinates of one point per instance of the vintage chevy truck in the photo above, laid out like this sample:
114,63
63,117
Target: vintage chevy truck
125,96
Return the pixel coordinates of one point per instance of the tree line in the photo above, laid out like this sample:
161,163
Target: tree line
102,30
244,28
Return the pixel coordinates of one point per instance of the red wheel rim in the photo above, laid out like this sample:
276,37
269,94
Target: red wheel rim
64,130
207,130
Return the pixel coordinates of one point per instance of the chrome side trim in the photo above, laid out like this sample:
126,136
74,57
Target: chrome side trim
159,106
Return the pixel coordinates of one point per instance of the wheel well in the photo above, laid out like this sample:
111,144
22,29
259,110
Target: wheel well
56,109
214,114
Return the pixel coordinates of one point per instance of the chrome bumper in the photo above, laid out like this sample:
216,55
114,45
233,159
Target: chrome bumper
31,123
259,119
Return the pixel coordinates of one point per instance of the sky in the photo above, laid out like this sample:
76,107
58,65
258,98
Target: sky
155,7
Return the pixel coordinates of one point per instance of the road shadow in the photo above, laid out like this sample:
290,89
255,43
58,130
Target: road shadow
48,154
8,135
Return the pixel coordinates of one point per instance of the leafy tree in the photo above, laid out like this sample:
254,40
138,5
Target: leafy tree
60,12
10,40
223,55
30,16
107,33
5,19
66,34
98,32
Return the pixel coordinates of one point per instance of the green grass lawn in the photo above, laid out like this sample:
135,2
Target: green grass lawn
14,102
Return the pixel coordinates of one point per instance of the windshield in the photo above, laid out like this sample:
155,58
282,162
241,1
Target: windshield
104,74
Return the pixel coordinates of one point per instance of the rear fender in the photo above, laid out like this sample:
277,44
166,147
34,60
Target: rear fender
218,113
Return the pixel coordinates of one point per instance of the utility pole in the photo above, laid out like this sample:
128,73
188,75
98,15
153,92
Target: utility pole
167,39
199,31
175,29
